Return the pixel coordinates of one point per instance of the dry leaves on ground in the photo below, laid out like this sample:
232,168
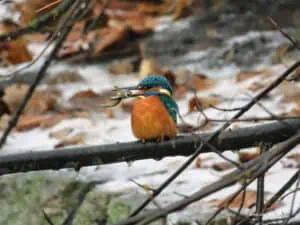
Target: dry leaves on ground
13,52
246,200
42,101
248,156
196,104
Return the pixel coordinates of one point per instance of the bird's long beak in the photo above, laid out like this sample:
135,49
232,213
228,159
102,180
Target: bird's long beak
128,92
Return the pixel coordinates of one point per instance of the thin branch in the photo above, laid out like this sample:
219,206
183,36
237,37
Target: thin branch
39,23
276,25
69,22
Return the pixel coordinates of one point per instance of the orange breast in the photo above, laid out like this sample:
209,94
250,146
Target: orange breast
150,119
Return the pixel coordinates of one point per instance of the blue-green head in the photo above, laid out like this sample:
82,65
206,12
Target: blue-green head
153,81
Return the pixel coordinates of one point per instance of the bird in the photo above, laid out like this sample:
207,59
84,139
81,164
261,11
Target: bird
154,113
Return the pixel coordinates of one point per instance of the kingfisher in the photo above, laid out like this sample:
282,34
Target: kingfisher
154,114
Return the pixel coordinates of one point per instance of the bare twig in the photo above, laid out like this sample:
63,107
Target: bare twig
276,25
69,22
39,23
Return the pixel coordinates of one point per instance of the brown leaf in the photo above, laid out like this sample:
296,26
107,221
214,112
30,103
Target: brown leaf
13,52
249,200
91,101
201,82
30,121
221,166
75,140
247,156
115,35
84,94
34,9
52,121
151,8
121,67
40,102
61,134
196,104
242,76
198,162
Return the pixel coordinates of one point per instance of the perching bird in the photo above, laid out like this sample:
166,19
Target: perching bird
154,114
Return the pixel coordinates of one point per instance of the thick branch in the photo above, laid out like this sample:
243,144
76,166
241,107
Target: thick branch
184,145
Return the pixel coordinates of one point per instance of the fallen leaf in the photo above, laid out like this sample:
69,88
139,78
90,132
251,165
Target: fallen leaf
248,156
34,9
198,162
196,104
121,67
255,86
15,51
245,75
28,122
84,94
201,82
290,91
221,166
90,101
61,134
65,77
152,8
115,35
75,140
249,200
40,102
52,121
